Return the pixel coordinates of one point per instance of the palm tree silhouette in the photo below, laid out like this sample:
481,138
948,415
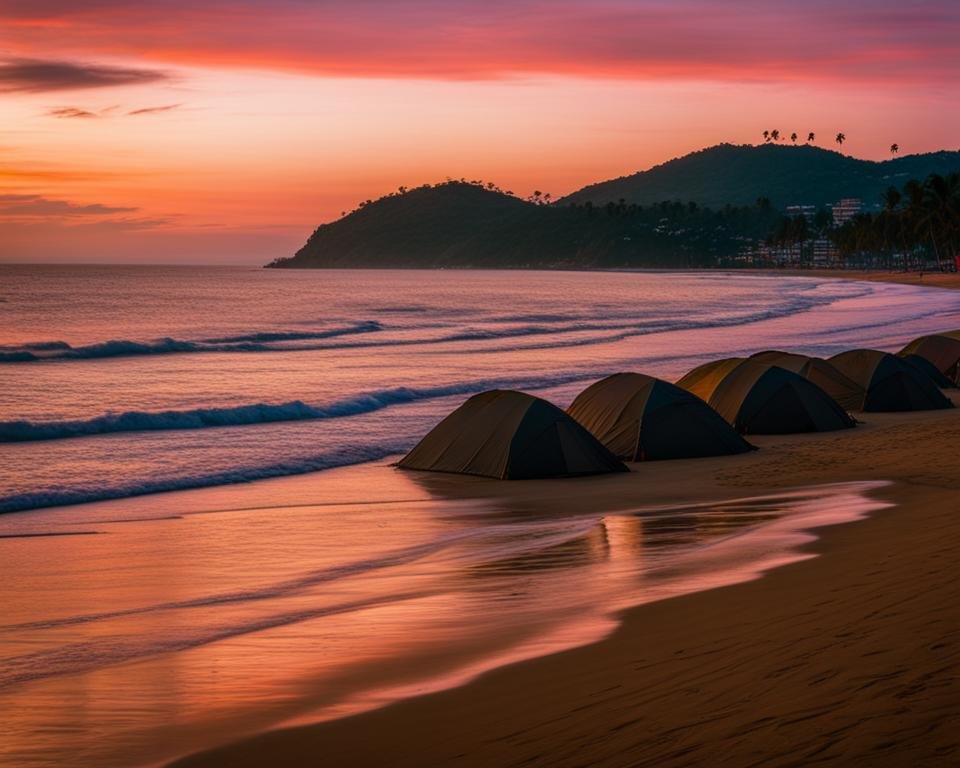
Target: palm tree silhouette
775,134
894,148
893,227
811,137
793,137
841,137
891,198
766,136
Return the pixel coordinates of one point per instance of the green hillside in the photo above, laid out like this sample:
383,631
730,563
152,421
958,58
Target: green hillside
458,224
786,174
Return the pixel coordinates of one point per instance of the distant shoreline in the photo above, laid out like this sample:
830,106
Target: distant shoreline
950,280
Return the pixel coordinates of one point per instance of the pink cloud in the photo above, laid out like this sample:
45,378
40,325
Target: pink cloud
467,39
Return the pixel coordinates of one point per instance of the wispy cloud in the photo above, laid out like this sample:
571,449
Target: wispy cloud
41,75
112,111
72,113
154,110
32,173
20,206
129,223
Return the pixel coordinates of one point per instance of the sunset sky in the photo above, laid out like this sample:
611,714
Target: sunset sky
225,131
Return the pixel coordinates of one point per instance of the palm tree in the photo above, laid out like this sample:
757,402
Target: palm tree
939,214
811,137
891,198
894,148
912,212
793,137
841,137
766,136
775,134
892,223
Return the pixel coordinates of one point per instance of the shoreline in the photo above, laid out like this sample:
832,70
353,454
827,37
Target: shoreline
947,280
860,663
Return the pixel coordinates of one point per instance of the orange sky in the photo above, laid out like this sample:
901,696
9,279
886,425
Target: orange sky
226,131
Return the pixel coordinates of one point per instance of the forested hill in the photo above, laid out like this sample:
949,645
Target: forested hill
786,174
718,201
459,224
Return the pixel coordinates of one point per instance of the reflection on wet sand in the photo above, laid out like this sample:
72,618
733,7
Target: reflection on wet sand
215,625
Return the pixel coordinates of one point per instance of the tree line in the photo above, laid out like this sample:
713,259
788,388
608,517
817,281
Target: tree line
916,224
919,221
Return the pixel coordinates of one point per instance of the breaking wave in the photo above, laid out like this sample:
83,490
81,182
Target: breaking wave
343,456
518,325
253,342
258,413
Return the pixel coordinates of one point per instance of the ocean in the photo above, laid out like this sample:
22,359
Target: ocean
118,381
158,600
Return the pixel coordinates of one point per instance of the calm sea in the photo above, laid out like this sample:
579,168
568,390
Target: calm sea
139,625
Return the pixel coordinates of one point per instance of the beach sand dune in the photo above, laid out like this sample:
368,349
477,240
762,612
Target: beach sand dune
851,658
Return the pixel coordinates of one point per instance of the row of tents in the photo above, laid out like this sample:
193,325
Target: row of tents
633,417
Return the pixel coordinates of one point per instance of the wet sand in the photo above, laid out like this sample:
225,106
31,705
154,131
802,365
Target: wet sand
926,279
848,658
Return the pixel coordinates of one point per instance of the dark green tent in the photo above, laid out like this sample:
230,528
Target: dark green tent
847,393
759,398
641,418
924,366
511,436
890,383
942,350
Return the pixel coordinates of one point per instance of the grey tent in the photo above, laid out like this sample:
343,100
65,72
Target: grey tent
924,366
821,372
511,436
942,350
890,384
640,418
759,398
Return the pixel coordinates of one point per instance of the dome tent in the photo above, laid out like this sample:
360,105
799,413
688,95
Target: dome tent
641,418
924,366
758,398
890,383
847,393
942,350
511,436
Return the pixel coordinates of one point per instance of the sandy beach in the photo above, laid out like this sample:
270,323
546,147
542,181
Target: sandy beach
847,658
925,279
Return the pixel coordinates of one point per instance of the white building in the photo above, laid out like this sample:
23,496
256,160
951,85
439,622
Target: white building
845,210
807,211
